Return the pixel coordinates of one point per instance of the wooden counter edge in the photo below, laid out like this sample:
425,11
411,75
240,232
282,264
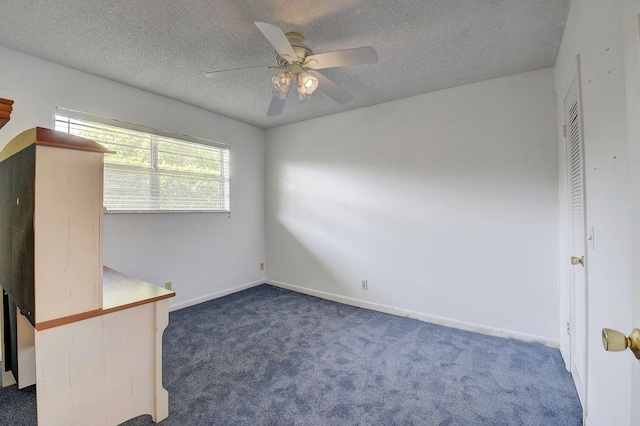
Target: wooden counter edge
166,294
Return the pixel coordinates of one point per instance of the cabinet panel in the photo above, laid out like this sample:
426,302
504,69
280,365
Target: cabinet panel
18,346
26,352
68,232
5,225
22,274
11,342
6,371
22,241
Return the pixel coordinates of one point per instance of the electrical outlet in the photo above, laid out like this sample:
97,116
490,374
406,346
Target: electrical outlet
365,285
168,285
262,266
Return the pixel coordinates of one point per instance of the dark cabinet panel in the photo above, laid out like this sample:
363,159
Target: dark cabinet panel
23,177
5,225
22,273
9,334
17,249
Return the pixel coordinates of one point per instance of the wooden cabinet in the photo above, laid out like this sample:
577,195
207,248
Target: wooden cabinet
51,224
88,337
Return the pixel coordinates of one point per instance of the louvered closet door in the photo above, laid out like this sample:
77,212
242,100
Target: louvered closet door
577,230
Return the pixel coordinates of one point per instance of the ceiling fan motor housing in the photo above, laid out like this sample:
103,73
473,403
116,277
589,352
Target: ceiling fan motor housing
297,43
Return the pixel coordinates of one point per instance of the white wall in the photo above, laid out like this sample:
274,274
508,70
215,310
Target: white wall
204,254
445,202
593,31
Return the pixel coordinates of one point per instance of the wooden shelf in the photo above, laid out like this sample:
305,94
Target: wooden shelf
5,111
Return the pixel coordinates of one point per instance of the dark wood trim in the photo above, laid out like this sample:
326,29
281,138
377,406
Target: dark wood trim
97,313
5,111
67,320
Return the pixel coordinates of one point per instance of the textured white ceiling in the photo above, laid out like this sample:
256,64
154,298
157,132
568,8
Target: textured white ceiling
166,46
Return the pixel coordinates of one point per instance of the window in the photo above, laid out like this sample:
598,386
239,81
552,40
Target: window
152,171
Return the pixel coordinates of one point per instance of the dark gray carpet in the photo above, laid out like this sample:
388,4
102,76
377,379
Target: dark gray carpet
267,356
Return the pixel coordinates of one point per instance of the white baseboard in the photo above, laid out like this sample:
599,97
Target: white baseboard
206,298
448,322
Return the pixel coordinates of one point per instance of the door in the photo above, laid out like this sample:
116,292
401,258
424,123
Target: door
617,375
631,39
578,287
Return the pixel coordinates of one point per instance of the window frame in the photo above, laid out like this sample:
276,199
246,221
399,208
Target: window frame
153,172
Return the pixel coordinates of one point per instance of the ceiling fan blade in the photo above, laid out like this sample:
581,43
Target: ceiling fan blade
278,40
235,71
341,58
276,106
331,89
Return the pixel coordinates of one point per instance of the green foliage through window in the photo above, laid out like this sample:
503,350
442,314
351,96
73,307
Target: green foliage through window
155,173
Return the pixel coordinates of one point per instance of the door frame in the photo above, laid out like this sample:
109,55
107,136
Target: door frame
631,49
566,284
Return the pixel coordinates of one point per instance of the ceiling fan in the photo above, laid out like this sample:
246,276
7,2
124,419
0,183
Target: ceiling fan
299,63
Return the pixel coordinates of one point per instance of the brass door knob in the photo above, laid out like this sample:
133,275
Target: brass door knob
577,261
615,341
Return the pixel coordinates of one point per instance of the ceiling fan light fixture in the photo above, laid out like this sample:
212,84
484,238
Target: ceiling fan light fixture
306,84
293,57
281,83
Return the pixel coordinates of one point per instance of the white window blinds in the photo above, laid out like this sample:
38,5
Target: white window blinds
152,172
